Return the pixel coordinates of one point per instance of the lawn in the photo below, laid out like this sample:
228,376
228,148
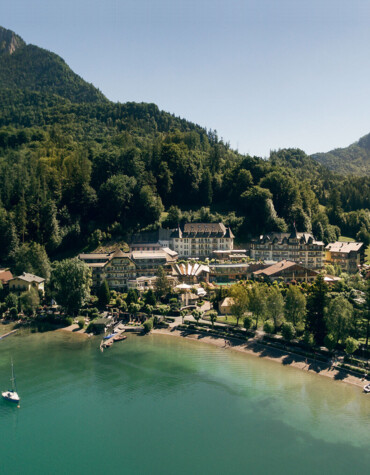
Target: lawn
367,255
345,239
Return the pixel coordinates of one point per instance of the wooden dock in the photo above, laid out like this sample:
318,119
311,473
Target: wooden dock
7,334
118,336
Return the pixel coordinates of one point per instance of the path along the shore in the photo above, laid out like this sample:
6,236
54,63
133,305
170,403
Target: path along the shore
253,347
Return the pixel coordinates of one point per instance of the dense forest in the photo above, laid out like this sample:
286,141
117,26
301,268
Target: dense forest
77,169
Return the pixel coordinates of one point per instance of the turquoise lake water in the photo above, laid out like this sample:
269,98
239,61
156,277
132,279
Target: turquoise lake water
163,405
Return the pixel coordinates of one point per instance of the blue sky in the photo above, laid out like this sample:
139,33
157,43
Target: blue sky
266,74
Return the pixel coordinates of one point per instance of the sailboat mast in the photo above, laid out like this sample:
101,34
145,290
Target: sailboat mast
13,378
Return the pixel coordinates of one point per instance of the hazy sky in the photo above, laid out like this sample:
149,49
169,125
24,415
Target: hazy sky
265,74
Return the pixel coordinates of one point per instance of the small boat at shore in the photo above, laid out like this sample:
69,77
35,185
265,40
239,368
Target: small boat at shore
110,336
367,388
11,394
120,338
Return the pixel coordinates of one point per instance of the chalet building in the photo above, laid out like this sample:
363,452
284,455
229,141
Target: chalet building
301,248
200,240
5,276
121,269
286,271
26,282
225,306
347,255
147,262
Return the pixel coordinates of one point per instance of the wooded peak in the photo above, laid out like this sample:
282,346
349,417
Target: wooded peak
9,41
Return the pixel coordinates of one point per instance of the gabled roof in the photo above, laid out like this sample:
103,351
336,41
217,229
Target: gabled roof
203,230
119,253
5,275
227,302
280,266
29,278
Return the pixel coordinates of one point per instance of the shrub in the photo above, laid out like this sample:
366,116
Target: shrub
13,313
288,331
329,342
69,321
81,323
247,322
308,339
148,326
268,326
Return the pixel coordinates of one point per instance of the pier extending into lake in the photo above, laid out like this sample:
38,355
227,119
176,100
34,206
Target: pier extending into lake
7,334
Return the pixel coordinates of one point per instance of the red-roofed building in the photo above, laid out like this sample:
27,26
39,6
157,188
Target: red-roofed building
5,276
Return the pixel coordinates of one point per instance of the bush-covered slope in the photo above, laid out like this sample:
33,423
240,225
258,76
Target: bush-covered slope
354,159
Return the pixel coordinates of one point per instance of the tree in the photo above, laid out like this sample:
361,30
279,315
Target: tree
257,301
268,326
330,342
247,322
173,218
316,304
339,318
183,314
104,294
115,196
295,305
70,284
148,206
132,296
13,313
367,313
213,316
32,258
162,286
197,314
239,295
134,309
288,331
351,346
150,298
275,306
148,325
29,301
11,300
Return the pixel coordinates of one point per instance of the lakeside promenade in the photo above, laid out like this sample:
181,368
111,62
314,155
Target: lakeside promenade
255,348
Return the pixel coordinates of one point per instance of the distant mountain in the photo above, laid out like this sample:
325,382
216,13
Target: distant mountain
354,159
32,69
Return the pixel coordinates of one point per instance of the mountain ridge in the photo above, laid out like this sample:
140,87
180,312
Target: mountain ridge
351,160
28,67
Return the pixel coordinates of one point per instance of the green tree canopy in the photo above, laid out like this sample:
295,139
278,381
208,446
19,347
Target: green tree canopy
339,318
70,284
32,257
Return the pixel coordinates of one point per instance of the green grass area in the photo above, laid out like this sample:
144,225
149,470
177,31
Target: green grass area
227,319
367,255
345,239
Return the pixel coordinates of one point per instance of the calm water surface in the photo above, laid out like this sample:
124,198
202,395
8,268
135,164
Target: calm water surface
162,405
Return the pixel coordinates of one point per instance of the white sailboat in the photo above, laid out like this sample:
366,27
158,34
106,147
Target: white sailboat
11,394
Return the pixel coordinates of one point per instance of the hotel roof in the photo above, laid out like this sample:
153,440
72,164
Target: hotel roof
344,247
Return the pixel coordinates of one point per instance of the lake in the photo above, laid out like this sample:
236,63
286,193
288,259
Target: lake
163,405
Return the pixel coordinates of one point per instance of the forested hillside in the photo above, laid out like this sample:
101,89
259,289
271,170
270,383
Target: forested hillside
76,169
354,159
